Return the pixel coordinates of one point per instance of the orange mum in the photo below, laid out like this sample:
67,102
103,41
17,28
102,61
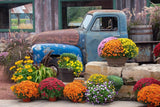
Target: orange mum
113,48
26,89
75,92
150,95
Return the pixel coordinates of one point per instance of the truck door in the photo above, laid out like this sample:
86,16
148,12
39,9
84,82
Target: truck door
100,28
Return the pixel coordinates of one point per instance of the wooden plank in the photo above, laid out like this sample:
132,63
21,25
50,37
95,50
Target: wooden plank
38,15
47,16
55,14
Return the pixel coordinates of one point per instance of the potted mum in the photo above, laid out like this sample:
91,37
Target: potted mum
150,95
118,50
144,82
99,89
75,91
69,67
97,79
23,70
26,90
51,88
100,93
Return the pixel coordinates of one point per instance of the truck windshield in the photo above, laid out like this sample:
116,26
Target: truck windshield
86,21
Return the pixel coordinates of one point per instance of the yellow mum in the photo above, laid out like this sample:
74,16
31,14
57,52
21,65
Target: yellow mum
12,68
29,77
30,70
27,66
19,62
27,57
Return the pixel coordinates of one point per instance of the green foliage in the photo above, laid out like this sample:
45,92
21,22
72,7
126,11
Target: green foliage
72,57
69,61
117,81
77,13
15,21
43,73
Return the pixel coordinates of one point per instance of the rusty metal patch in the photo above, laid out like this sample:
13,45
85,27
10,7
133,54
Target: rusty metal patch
68,36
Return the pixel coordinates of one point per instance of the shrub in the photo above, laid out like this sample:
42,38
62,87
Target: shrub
144,82
100,94
26,89
150,95
97,79
71,56
51,87
17,46
117,81
75,92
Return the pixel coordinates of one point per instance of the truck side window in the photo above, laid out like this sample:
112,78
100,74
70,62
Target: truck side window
105,24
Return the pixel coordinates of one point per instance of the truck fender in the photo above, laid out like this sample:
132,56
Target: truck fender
40,50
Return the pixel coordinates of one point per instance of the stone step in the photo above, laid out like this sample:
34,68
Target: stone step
131,73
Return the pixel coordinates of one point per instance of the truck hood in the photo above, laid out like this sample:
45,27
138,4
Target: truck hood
67,36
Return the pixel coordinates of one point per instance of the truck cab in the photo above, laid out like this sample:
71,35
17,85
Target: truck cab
83,41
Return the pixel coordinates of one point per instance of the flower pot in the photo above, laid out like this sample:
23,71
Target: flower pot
150,105
52,99
116,62
66,75
26,99
75,101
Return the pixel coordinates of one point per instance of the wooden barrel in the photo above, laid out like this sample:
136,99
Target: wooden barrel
141,33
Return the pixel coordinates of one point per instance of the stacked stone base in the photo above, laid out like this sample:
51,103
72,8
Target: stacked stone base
131,73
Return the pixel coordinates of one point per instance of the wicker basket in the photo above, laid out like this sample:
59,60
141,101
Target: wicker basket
116,62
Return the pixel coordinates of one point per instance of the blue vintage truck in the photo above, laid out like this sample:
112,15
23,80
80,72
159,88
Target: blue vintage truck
83,41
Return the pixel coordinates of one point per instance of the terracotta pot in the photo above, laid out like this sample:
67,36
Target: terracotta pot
150,105
52,99
75,101
26,99
116,62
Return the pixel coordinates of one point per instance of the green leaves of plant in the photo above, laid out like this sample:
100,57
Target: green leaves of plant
44,72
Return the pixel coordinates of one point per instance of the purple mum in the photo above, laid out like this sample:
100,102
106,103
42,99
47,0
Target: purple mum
102,43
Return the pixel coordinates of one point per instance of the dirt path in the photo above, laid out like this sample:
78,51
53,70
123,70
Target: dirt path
5,91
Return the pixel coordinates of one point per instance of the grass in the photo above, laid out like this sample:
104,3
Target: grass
15,21
22,25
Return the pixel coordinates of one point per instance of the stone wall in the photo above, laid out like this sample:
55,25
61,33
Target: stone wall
131,73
